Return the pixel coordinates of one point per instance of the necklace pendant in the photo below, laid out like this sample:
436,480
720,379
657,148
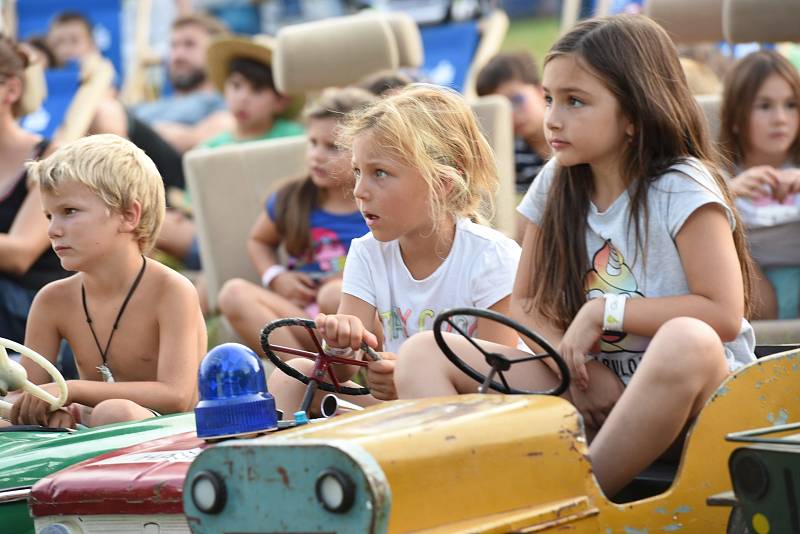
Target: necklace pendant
105,372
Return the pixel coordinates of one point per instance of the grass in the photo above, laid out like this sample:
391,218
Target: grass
534,35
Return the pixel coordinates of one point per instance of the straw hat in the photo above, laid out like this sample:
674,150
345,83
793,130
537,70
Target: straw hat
258,48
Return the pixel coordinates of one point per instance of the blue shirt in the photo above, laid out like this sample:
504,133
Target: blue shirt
186,109
331,234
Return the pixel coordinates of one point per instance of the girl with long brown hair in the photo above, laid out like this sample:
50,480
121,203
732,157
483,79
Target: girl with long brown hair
760,134
633,264
313,218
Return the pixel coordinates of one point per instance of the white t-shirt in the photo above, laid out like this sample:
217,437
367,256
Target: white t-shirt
616,267
478,272
773,228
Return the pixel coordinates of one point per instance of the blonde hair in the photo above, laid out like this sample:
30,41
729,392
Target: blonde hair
433,130
116,170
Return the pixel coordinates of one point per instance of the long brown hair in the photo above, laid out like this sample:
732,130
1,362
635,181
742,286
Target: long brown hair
296,200
741,87
13,62
636,60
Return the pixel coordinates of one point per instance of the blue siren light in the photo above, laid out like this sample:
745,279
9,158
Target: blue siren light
233,394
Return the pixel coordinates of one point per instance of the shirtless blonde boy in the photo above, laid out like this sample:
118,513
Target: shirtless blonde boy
134,325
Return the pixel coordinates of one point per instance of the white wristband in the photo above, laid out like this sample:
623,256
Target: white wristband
614,312
271,273
341,352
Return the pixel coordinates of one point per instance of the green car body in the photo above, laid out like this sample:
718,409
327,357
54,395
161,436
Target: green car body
28,455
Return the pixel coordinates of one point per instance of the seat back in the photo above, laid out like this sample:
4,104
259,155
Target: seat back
228,186
494,118
711,104
333,52
771,21
688,21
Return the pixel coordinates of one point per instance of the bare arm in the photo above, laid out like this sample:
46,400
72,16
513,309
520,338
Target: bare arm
41,333
521,309
494,331
708,255
184,137
173,390
262,243
27,238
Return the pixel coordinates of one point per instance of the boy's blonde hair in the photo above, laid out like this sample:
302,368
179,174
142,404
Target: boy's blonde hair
116,170
433,130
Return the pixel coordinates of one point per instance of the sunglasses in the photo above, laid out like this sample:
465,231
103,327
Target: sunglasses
517,99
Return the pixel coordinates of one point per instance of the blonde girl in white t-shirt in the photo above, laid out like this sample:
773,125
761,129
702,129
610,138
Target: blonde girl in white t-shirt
425,180
634,264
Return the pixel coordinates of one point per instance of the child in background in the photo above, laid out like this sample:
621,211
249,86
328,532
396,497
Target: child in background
134,325
70,37
425,179
760,132
632,246
515,75
315,218
242,70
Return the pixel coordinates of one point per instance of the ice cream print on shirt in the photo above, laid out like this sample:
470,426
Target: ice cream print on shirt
618,351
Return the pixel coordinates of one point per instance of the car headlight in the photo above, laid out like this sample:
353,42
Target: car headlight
750,475
335,491
61,528
208,492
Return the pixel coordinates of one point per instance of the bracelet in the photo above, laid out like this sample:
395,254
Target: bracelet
614,312
340,352
271,274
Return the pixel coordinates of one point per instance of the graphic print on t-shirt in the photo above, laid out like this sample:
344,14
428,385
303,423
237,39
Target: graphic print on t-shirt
402,324
619,351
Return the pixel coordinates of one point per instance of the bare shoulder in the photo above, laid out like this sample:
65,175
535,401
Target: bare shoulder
171,286
60,294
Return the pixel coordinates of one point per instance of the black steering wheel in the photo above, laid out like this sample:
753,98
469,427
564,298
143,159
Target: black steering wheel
499,363
322,360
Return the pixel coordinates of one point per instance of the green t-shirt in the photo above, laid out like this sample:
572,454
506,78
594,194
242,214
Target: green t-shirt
280,128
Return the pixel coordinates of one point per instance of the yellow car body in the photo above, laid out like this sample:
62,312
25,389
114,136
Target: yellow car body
484,463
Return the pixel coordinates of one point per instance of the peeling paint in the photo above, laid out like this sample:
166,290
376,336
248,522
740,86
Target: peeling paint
721,392
674,527
630,530
683,509
758,385
781,419
661,510
284,476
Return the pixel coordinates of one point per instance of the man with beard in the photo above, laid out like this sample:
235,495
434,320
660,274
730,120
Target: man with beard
168,127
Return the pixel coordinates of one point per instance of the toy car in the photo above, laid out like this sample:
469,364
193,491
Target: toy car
477,463
765,480
31,452
140,487
483,463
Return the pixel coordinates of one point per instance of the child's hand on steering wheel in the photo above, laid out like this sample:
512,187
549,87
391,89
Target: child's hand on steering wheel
380,377
30,410
344,331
